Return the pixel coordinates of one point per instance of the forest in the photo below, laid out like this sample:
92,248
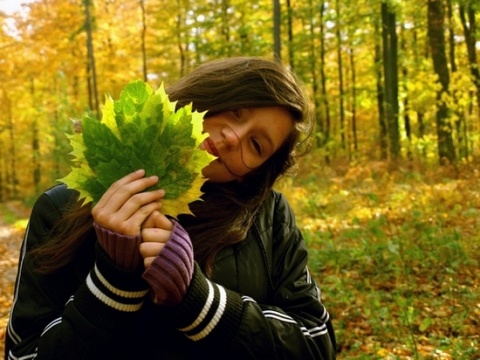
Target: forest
388,200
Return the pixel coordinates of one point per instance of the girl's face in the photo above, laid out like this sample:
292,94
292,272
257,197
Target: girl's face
242,140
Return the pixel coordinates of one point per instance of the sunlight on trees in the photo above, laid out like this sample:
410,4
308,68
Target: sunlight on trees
52,70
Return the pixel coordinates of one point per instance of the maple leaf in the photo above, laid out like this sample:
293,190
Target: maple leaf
141,130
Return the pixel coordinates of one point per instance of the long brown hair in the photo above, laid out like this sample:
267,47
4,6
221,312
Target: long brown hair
227,211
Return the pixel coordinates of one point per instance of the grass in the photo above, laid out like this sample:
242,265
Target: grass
396,255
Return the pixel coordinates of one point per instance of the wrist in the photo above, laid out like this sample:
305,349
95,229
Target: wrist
122,249
208,311
111,295
171,271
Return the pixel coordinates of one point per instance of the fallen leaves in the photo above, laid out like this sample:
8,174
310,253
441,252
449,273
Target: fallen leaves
397,258
11,235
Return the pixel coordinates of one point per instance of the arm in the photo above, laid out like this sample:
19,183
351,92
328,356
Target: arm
63,316
293,325
55,316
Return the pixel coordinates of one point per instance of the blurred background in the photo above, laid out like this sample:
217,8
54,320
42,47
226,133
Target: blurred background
391,80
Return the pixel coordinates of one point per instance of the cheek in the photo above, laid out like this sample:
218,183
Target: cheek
209,124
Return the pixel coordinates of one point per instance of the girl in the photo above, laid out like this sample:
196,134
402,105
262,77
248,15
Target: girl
123,281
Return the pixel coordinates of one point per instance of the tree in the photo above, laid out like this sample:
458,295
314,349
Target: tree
380,94
460,121
36,155
142,39
436,19
276,30
390,72
10,149
467,15
91,67
341,86
325,105
291,57
353,108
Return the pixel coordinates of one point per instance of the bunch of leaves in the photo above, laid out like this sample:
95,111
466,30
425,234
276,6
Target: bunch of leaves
140,130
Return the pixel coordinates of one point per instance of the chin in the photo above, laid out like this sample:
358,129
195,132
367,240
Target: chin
216,172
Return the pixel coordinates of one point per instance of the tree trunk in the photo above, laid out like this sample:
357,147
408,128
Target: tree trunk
36,176
390,70
470,32
291,57
340,74
420,57
182,49
382,121
313,66
460,122
353,109
451,37
324,96
277,51
446,149
91,69
406,100
11,166
142,40
226,27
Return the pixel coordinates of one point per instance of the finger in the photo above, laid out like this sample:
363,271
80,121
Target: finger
137,204
126,191
158,220
147,262
151,220
113,188
155,235
108,215
164,223
150,249
129,225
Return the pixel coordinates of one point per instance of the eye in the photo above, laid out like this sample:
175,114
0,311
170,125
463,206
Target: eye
236,113
257,146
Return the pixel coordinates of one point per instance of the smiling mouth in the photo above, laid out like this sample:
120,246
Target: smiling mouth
209,146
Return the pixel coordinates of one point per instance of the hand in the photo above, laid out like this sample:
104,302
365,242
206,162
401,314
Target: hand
155,233
125,207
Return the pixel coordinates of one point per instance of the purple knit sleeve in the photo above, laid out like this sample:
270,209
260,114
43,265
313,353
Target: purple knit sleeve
122,249
171,271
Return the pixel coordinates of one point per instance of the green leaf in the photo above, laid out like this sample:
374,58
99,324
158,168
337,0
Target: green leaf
141,130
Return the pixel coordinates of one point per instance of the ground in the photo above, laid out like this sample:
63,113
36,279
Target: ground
11,235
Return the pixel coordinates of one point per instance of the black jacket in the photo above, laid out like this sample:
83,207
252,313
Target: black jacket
260,302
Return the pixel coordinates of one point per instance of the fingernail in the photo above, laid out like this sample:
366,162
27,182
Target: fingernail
139,171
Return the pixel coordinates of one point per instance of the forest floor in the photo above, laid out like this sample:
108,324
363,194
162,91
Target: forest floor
13,220
395,250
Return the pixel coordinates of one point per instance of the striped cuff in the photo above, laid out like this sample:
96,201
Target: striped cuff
208,311
111,295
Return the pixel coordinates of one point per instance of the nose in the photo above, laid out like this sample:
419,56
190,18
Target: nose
233,137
